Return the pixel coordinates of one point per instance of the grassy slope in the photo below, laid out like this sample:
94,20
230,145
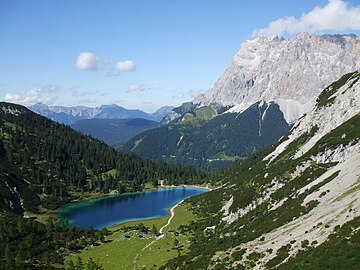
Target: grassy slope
120,252
164,249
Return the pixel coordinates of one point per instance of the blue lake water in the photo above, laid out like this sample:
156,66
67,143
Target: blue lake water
112,210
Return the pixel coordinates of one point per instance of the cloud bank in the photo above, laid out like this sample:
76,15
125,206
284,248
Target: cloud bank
335,16
32,96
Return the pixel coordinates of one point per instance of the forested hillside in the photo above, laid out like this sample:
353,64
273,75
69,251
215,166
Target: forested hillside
202,140
45,164
29,244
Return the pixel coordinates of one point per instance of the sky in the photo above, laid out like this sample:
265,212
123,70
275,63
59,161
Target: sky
139,53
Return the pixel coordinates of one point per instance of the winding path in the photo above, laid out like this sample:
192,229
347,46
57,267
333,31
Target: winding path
161,234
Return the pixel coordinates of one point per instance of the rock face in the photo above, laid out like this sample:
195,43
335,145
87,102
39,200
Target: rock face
292,72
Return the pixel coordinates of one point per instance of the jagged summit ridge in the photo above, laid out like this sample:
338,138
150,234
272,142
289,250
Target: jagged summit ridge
292,72
69,115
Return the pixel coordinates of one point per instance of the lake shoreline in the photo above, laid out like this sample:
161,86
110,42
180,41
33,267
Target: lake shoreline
170,210
63,211
112,193
153,218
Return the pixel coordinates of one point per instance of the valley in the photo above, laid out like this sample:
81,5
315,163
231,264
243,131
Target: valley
187,135
277,207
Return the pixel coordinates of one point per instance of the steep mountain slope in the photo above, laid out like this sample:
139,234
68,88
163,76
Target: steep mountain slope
296,205
114,132
284,71
44,164
69,115
212,143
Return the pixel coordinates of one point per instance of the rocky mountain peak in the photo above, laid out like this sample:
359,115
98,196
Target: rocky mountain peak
292,72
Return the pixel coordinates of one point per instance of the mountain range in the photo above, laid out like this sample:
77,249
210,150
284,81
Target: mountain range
69,115
291,72
286,75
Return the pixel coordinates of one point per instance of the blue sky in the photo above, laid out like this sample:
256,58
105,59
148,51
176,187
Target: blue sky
139,53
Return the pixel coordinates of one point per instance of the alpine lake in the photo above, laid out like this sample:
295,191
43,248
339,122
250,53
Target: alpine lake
116,209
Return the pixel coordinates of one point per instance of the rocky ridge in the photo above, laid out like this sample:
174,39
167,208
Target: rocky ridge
292,72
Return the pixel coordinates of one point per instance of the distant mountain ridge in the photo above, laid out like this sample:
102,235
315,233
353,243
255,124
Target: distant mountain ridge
69,115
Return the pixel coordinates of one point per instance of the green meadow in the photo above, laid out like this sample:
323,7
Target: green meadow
129,241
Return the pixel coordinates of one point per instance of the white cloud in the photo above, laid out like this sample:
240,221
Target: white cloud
123,66
335,16
89,61
32,96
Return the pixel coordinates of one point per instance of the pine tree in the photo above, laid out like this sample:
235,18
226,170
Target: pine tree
154,230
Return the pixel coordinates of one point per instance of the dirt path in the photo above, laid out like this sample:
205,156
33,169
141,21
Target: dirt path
161,234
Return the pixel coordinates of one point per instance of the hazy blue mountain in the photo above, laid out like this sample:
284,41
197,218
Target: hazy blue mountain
160,113
114,132
69,115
